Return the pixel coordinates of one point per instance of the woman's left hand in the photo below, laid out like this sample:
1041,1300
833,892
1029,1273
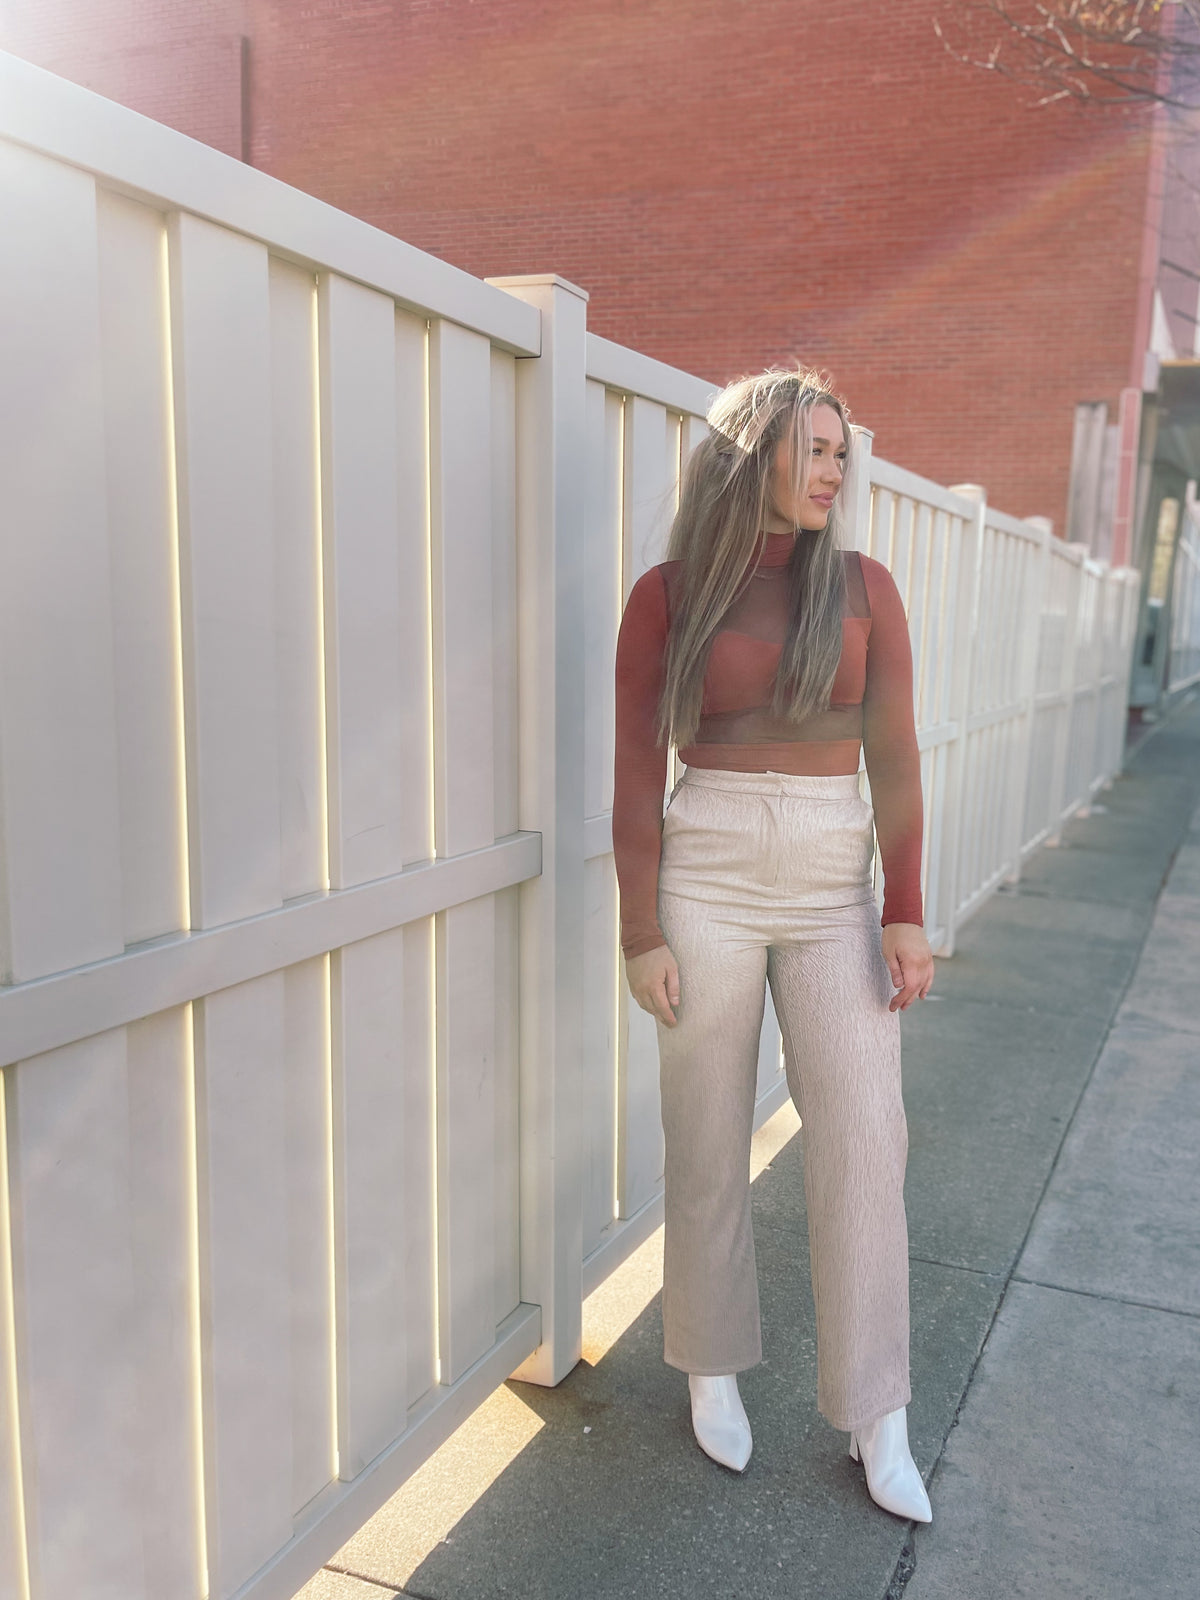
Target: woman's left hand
910,962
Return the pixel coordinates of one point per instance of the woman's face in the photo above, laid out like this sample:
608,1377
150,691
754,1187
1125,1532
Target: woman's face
824,478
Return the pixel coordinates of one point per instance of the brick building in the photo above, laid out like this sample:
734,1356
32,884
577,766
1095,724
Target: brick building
734,184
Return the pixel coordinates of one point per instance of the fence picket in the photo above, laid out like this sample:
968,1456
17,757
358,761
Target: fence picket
309,1135
241,1113
648,506
465,723
371,1144
295,486
61,863
363,624
161,1329
73,1273
221,366
139,469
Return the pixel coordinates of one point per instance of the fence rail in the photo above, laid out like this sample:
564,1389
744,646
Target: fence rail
324,1103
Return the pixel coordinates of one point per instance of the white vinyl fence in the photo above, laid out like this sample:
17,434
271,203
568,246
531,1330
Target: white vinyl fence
323,1103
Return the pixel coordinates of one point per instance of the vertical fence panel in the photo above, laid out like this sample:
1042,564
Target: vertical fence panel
603,967
465,963
420,1197
506,1132
74,1294
648,484
367,1025
241,1114
221,365
932,662
604,589
503,521
309,1219
464,627
1028,598
694,429
412,546
881,540
416,732
900,555
364,690
965,593
1068,588
141,502
304,867
162,1335
60,890
465,730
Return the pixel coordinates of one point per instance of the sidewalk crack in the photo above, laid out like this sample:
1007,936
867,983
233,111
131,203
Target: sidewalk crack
1099,1294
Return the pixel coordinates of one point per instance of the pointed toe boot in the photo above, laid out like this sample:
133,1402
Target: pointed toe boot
893,1479
719,1420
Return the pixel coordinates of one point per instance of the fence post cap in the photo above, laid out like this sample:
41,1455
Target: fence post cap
537,280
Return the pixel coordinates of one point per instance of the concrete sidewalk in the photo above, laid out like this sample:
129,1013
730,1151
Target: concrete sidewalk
1052,1082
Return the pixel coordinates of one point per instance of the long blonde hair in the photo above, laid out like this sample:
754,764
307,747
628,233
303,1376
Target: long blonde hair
725,495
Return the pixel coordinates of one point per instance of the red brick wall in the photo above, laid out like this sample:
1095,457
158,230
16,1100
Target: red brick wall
735,182
180,63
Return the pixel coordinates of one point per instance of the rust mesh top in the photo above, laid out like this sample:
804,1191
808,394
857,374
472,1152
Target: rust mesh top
871,708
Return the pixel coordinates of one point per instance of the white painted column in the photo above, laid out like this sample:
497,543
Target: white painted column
551,474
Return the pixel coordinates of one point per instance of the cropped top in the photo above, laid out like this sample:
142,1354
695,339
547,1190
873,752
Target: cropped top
871,709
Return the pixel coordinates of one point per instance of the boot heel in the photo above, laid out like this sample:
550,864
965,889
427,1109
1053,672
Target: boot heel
854,1447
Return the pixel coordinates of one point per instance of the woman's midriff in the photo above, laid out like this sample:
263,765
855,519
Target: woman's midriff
801,758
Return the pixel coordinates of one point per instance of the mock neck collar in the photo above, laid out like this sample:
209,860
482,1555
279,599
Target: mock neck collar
775,549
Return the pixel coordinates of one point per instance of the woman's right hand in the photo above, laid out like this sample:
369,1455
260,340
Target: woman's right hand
654,982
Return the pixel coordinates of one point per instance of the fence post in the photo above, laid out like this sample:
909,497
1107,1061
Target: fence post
1062,747
1032,602
1092,686
551,444
856,491
962,668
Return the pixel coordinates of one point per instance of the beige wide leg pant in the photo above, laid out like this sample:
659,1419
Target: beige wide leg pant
766,878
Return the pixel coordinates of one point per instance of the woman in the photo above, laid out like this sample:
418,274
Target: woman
769,655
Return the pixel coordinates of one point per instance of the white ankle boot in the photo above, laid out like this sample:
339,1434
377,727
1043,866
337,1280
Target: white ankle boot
719,1420
892,1476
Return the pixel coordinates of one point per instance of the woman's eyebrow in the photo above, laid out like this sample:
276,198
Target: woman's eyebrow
841,442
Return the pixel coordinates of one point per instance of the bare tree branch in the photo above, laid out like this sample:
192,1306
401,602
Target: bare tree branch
1128,54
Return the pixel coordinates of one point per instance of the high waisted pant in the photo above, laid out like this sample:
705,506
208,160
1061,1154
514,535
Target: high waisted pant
767,876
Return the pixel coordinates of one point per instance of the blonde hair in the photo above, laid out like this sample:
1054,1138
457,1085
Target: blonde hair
725,495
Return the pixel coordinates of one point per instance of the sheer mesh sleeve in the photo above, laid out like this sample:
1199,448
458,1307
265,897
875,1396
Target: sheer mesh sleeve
890,750
640,774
